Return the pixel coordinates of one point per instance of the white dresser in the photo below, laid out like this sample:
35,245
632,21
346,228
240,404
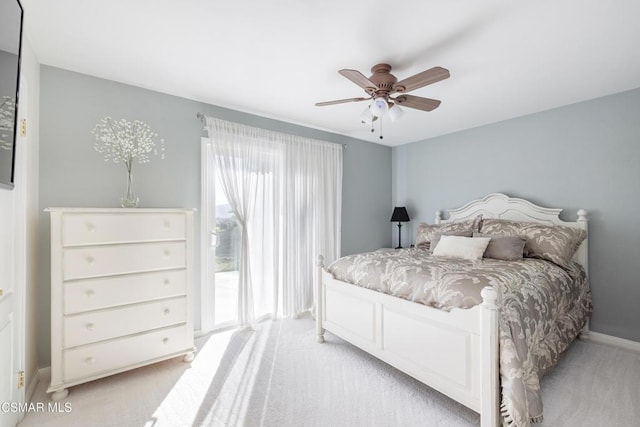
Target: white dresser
121,291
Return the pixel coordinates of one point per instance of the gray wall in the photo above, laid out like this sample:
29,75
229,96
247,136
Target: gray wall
72,173
585,155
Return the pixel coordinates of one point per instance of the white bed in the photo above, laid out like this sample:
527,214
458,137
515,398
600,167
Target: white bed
454,352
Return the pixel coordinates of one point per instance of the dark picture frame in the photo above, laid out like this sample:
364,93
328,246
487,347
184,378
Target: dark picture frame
11,26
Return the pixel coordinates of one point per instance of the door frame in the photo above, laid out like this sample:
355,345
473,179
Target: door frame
207,273
16,291
20,238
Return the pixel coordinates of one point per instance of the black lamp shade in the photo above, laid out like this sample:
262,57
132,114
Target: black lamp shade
400,214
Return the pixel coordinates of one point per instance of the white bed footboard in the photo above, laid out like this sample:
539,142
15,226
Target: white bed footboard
453,352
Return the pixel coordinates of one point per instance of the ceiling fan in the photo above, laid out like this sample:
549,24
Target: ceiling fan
382,85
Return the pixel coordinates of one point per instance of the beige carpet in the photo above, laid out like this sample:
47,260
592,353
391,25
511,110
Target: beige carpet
279,376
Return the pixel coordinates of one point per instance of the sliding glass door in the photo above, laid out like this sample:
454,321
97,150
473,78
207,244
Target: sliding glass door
286,192
226,238
221,243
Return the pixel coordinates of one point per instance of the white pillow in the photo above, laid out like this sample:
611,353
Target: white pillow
471,248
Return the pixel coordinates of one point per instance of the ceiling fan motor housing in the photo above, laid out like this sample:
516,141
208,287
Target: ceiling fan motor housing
383,79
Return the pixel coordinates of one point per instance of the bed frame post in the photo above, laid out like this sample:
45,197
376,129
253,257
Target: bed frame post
489,388
584,221
319,300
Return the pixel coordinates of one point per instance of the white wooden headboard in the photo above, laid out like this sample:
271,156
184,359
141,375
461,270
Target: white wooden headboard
497,205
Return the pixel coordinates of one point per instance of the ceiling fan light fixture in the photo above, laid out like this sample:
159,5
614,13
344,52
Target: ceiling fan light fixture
367,117
395,112
379,106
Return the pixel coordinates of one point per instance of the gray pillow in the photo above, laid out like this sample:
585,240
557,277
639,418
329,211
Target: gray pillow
507,248
555,243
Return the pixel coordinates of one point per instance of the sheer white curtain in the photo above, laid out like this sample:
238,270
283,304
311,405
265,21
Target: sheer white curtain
310,216
285,191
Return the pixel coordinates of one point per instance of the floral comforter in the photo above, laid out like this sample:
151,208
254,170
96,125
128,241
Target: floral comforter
543,308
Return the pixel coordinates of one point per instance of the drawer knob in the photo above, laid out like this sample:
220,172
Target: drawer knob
89,360
166,282
90,227
167,252
165,340
90,326
91,260
166,311
89,293
166,224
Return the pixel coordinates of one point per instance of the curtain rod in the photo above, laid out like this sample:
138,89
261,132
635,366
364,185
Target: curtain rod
202,117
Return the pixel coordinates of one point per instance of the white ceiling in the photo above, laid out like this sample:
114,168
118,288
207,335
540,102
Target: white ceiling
277,58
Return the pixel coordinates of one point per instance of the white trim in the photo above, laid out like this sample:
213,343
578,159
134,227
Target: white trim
626,344
44,373
33,384
207,301
41,375
19,236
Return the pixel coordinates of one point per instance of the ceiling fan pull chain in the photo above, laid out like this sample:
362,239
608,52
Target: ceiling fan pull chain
381,137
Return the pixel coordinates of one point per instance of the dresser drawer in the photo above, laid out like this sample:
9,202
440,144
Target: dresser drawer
112,355
105,292
96,261
91,228
102,325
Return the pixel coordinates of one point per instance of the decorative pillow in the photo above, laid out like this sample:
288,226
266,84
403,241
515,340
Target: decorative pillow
436,237
555,243
507,248
426,232
470,248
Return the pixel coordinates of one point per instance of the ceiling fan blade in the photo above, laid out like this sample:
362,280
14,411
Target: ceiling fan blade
340,101
419,80
417,102
358,78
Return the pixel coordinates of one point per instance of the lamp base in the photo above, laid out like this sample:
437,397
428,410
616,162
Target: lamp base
399,236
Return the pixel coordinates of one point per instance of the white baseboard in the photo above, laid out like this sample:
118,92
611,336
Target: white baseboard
626,344
31,389
44,374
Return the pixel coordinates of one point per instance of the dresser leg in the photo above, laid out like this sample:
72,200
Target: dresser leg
189,357
60,394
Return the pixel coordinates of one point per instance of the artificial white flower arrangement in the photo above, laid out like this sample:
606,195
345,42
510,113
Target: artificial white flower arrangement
127,142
